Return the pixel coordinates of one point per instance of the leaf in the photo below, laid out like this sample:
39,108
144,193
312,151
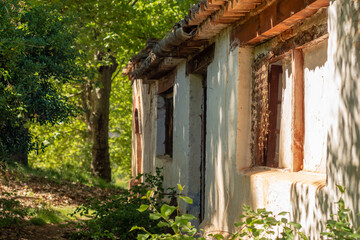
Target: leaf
218,236
137,228
167,210
296,225
188,217
154,216
143,208
180,187
341,188
163,224
143,236
148,194
186,199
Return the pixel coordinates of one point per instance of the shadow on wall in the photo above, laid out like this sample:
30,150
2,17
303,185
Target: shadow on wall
343,139
314,206
343,152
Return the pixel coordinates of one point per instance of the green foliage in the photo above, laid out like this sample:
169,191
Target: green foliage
262,224
66,146
48,214
339,226
37,58
61,175
119,29
180,224
259,224
113,217
11,210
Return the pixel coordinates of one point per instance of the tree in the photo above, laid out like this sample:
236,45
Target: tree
110,32
37,58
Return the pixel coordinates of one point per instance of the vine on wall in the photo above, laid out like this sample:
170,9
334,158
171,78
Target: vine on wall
259,111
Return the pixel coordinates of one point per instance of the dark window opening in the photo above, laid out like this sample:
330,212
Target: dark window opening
137,128
275,99
169,106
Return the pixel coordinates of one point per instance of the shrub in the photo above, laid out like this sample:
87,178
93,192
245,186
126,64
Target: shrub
263,224
339,226
113,217
180,225
11,211
258,225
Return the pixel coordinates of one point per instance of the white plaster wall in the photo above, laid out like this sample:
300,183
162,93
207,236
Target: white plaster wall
184,167
176,169
318,103
222,185
343,146
285,154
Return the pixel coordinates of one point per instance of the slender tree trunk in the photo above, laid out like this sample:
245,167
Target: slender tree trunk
99,119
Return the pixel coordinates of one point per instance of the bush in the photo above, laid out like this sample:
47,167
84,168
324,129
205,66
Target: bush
11,211
258,225
180,226
113,217
339,226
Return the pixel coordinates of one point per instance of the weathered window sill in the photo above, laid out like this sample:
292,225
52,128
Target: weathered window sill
164,158
285,175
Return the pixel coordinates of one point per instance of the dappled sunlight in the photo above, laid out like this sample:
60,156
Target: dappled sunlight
344,138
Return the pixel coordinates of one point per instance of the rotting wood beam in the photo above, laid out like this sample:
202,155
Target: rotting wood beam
166,82
298,122
202,60
276,17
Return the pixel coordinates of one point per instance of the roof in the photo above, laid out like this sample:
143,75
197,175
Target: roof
253,21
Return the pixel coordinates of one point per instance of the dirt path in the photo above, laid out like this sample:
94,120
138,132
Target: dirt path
37,192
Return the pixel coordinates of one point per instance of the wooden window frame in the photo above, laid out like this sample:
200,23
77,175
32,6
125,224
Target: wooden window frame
297,111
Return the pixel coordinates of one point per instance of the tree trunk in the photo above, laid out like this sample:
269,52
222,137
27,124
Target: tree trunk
21,156
100,164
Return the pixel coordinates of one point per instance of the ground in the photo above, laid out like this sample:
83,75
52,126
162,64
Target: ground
37,192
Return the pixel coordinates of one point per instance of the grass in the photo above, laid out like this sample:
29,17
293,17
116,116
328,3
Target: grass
70,175
55,215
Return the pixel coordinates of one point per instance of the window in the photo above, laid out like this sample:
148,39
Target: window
285,138
165,114
275,99
298,107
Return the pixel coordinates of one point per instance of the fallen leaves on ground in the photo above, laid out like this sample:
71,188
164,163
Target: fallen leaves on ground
37,192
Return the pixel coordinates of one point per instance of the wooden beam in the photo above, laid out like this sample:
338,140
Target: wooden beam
298,122
199,63
166,82
276,18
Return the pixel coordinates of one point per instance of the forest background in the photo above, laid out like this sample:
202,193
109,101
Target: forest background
107,33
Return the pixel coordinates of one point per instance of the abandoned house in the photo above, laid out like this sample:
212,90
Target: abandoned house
253,102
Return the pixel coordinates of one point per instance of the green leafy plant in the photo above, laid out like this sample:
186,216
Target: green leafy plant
113,217
11,211
180,225
339,226
37,60
263,224
259,224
